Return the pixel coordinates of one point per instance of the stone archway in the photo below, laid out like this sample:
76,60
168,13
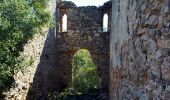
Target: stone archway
84,72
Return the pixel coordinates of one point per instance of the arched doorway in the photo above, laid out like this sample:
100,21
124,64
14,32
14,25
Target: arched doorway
84,72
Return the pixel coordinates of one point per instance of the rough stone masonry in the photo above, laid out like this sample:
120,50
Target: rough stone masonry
84,31
140,50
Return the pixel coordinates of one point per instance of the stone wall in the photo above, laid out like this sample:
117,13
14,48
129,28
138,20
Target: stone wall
23,78
37,78
84,31
44,80
140,50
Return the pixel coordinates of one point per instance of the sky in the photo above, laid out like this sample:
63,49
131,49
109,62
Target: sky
88,2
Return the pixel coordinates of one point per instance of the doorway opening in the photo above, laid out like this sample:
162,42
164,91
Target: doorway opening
84,72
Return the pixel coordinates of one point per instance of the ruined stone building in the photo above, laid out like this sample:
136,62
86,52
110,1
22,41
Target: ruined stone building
132,52
84,30
135,49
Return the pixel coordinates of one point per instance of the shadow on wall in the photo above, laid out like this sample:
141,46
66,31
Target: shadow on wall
45,76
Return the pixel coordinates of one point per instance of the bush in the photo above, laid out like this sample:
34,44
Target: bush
85,77
84,72
19,21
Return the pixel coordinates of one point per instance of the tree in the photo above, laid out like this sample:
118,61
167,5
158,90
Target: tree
19,21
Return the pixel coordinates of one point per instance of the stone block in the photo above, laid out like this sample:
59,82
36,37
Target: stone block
163,43
152,20
142,31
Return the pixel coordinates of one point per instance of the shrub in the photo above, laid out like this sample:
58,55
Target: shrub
19,21
84,72
84,79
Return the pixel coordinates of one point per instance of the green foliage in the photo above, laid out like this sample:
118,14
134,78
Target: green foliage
85,77
19,21
58,96
63,95
84,72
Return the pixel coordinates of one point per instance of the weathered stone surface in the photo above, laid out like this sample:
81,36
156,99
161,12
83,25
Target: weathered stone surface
24,79
142,31
66,4
163,43
140,64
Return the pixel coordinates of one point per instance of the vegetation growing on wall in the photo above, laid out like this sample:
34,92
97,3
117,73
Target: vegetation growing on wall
19,21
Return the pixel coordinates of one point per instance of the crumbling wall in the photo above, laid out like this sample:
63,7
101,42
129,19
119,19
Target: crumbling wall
84,31
140,50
